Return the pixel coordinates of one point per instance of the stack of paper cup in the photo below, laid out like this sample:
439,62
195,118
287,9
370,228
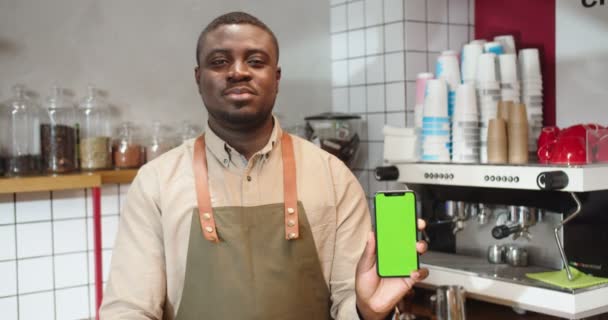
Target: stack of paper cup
488,96
518,134
497,141
465,126
448,69
509,82
532,92
421,80
507,42
435,135
469,58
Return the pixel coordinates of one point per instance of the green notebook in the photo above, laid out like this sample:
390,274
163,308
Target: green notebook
560,279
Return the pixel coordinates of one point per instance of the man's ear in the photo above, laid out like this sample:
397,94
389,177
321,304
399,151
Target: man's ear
197,74
278,75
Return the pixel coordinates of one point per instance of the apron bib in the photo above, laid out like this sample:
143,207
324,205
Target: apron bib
252,262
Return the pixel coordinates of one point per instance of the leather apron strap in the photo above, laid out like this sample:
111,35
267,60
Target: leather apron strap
203,196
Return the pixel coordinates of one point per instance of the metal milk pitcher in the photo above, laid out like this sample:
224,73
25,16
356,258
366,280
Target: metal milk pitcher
450,303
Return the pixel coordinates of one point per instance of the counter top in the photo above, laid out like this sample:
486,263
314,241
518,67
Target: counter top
509,286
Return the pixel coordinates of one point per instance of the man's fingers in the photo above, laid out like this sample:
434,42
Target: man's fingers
421,224
421,246
368,258
420,274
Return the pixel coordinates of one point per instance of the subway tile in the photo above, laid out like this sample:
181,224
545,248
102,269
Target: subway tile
415,63
9,308
34,239
35,274
72,303
8,278
375,98
458,11
71,270
339,47
471,33
415,36
376,155
7,242
356,43
34,206
7,209
410,120
374,40
410,94
363,176
338,18
70,235
109,228
361,161
109,200
472,12
339,72
393,10
373,12
375,124
458,37
356,17
393,37
356,71
396,119
437,10
357,99
38,306
375,69
438,37
123,190
69,204
92,301
415,10
395,96
432,60
340,99
394,67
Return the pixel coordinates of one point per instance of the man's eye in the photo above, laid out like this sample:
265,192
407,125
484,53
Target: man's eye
218,62
256,62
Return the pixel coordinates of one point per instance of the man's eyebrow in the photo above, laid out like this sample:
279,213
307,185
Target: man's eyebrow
217,51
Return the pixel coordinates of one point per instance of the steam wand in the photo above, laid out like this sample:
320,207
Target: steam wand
579,207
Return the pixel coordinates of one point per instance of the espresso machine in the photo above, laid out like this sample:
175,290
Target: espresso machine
554,216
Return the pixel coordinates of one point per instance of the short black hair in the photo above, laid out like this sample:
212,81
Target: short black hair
236,17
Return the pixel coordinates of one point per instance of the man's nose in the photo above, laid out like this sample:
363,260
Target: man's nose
239,71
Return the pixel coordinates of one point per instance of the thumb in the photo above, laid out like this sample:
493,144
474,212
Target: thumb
368,258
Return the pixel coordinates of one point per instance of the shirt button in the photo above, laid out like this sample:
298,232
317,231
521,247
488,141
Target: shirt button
206,216
291,236
209,229
248,178
291,223
290,210
226,161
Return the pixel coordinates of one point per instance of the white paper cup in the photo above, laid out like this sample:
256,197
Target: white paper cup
507,42
493,47
436,100
508,68
447,68
466,101
480,42
486,69
470,56
421,80
529,64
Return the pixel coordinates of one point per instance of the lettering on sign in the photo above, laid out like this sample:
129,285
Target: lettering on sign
592,3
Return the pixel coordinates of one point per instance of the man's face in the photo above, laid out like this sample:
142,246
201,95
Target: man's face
238,75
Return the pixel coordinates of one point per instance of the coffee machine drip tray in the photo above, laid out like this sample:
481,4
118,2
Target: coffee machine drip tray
506,285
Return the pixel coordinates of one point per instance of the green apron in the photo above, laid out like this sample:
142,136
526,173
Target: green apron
252,262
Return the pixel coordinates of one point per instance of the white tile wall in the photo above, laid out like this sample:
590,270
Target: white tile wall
34,239
398,39
9,308
35,274
72,303
8,278
68,204
7,209
7,242
35,206
70,236
39,306
71,270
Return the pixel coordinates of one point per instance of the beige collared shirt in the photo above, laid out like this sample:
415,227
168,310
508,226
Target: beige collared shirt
149,259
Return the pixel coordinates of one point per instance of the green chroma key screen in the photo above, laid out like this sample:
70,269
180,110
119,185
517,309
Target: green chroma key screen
396,233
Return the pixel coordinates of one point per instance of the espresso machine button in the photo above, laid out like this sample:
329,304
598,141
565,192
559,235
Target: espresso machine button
486,178
552,180
516,179
510,179
492,178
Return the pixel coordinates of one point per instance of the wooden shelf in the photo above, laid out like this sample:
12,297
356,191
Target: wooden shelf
49,183
65,182
117,176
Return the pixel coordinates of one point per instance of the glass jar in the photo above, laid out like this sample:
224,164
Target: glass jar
4,123
161,140
58,133
189,131
23,135
127,151
95,132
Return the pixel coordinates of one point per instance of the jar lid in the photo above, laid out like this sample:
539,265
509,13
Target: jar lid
93,99
58,99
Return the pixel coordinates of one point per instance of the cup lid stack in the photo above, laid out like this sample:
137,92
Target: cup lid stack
532,92
435,135
465,126
488,96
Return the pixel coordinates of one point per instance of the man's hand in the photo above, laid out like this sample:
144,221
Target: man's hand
377,297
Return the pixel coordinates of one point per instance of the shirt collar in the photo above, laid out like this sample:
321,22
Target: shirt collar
226,154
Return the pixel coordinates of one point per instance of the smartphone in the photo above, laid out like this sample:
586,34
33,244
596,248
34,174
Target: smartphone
396,233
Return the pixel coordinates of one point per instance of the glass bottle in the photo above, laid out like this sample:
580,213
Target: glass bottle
127,151
23,135
161,140
4,125
95,132
58,133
